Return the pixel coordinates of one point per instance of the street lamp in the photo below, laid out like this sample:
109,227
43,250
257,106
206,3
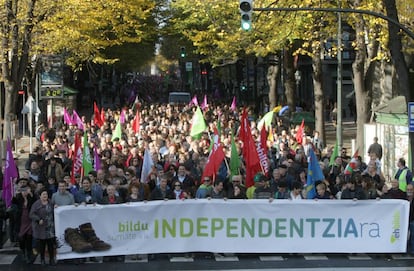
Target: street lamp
339,82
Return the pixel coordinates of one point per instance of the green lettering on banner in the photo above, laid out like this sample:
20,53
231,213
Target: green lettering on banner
156,233
263,222
246,227
190,223
201,226
231,227
172,229
294,227
217,224
281,226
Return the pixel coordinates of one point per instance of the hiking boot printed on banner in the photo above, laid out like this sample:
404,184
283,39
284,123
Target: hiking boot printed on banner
88,233
76,241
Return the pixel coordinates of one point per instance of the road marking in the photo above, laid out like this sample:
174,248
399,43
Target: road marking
181,259
271,258
315,257
7,259
359,257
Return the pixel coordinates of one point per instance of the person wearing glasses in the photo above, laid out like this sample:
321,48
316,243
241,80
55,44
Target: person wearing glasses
204,190
178,192
236,188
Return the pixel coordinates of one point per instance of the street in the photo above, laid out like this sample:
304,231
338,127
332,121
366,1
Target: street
208,261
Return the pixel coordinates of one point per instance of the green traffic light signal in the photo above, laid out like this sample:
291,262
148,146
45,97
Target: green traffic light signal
182,52
246,10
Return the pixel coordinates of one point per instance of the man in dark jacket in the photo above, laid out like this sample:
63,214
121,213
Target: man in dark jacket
353,191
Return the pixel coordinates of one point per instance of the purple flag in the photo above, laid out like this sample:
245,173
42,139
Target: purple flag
10,173
233,104
66,117
194,101
77,120
204,104
96,159
122,117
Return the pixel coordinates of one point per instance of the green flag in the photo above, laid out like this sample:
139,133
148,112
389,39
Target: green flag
266,120
117,133
198,124
86,157
334,154
234,158
219,125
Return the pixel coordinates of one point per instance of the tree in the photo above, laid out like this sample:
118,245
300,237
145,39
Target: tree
80,30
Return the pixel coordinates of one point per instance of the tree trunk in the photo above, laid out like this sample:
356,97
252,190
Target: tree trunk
290,80
9,108
318,93
362,94
15,44
273,71
397,56
394,43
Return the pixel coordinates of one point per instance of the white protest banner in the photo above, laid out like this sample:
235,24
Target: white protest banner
240,226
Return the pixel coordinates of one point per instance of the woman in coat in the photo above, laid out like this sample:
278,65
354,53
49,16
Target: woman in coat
43,227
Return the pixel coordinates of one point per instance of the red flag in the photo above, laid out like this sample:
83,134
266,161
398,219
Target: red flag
262,151
215,158
77,159
250,154
97,116
102,115
300,132
135,122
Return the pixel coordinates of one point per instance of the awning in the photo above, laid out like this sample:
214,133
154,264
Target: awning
68,91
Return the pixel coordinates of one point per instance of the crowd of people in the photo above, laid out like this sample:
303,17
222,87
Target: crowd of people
179,160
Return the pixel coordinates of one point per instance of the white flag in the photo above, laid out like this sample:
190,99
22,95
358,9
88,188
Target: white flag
147,165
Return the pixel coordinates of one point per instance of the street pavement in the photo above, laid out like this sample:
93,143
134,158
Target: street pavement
209,261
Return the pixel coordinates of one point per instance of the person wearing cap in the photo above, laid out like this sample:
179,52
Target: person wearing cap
259,180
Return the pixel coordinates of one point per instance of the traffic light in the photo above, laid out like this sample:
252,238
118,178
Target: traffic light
246,10
182,52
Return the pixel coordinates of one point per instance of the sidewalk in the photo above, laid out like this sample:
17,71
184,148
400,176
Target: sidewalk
349,131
